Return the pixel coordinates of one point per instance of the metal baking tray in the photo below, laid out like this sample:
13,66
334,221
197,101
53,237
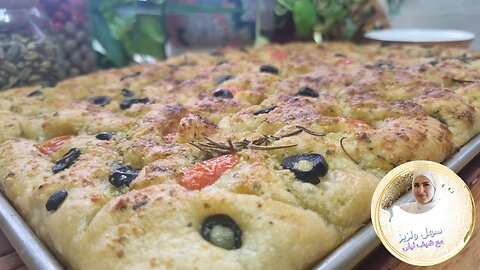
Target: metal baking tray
351,252
346,256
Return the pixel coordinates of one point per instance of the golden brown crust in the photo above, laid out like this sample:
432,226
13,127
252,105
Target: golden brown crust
367,109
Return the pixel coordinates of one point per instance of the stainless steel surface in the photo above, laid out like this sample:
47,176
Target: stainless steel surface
32,251
465,155
37,257
356,248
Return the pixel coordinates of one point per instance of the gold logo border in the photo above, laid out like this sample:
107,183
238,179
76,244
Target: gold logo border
387,181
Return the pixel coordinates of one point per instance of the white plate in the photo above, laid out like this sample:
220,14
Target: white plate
419,35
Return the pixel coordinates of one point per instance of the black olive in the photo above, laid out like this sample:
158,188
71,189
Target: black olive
267,110
127,92
123,176
56,199
433,63
105,136
223,93
269,69
222,231
463,58
384,44
306,167
340,55
35,93
216,53
385,64
225,78
100,100
308,92
67,160
127,103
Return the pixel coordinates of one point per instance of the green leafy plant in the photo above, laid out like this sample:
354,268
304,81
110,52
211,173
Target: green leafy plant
130,28
124,29
333,19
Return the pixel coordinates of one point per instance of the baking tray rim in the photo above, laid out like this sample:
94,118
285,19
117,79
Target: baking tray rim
351,252
347,255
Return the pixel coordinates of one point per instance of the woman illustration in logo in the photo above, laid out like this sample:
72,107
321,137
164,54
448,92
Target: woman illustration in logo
424,192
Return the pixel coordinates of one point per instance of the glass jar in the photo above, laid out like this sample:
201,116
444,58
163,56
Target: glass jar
70,20
29,51
204,25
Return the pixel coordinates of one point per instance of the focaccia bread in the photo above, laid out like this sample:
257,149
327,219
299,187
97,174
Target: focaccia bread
241,159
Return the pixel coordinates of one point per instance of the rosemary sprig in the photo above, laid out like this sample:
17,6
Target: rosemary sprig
262,143
343,148
232,147
311,132
464,81
256,147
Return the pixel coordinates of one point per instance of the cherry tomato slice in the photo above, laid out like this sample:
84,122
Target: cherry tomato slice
207,172
51,146
233,89
279,55
356,123
345,61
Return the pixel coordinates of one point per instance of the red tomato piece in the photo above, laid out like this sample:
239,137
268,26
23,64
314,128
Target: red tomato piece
207,172
279,55
51,146
233,89
356,123
345,61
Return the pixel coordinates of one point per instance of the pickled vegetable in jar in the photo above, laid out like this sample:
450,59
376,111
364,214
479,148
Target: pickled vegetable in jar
29,51
70,20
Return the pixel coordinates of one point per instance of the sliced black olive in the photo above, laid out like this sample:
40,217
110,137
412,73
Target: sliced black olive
385,64
267,110
223,93
269,69
35,93
433,63
222,231
308,92
105,136
100,100
384,44
225,78
340,55
306,167
56,199
127,103
463,58
123,176
216,53
127,92
67,160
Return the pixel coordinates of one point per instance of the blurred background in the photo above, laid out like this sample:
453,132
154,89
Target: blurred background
45,41
440,14
141,31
